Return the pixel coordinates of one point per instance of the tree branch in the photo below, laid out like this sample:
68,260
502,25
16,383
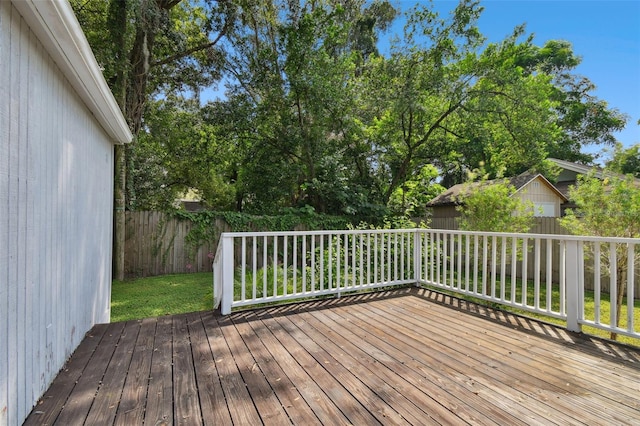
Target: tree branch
188,52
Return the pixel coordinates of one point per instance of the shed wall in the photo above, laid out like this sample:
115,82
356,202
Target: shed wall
56,169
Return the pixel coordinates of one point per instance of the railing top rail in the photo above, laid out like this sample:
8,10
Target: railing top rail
539,236
433,231
325,232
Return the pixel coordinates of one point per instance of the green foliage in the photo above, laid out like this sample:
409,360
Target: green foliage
626,161
609,207
314,115
490,206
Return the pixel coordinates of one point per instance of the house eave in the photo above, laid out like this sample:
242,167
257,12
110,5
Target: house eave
58,30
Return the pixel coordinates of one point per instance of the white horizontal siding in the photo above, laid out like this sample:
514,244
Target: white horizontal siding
56,168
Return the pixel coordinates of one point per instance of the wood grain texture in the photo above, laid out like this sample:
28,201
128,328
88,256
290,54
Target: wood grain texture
407,356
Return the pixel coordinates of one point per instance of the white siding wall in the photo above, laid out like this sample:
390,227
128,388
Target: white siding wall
56,167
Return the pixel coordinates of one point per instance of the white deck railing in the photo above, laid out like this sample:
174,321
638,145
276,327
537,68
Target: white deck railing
546,274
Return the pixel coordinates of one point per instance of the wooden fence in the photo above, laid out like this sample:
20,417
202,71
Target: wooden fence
156,245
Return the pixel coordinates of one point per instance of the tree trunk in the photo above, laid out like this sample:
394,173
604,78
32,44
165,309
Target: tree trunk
119,221
118,26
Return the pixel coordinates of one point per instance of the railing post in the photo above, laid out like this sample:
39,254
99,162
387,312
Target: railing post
572,282
417,257
227,273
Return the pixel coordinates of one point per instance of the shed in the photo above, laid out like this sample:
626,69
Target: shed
529,186
58,126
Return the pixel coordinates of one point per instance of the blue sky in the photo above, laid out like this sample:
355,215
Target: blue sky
605,34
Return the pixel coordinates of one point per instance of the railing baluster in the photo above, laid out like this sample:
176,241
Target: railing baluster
549,273
630,285
525,269
514,268
322,262
285,286
313,264
265,251
597,273
494,258
475,263
304,263
503,268
275,266
368,258
361,268
536,278
613,283
243,269
294,249
485,259
254,247
389,250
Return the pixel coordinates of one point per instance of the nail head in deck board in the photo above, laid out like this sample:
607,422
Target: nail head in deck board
425,349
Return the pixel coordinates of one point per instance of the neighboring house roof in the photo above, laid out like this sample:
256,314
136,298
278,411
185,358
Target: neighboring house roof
59,31
577,168
452,195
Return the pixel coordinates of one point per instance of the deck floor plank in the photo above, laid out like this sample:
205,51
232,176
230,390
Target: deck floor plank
533,356
379,370
80,401
318,345
292,401
560,389
134,394
159,406
324,409
263,396
492,365
406,356
451,387
351,408
109,395
186,406
241,407
212,403
58,394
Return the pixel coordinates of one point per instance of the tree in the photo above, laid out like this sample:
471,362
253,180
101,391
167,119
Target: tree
291,101
626,161
168,43
490,206
607,208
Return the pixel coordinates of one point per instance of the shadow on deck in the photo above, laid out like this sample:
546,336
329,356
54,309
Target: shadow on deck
407,356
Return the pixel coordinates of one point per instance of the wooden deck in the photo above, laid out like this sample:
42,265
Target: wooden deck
408,356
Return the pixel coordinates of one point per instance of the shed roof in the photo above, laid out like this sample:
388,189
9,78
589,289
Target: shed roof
58,30
451,196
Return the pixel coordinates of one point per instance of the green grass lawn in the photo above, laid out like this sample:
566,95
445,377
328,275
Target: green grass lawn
182,293
162,295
